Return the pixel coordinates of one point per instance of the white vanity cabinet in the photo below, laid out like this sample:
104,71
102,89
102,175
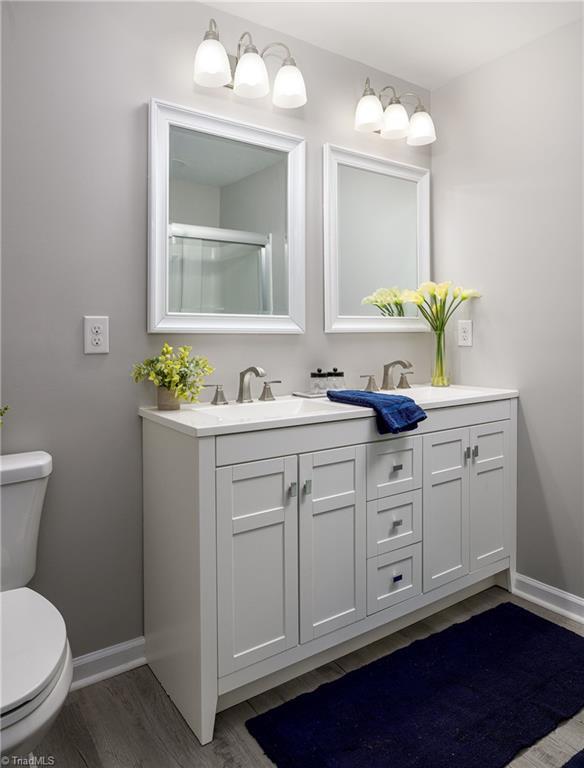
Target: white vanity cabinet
273,546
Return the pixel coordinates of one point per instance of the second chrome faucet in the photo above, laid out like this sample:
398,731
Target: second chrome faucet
244,394
388,382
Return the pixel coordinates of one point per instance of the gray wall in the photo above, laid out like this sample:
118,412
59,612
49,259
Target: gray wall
507,216
257,203
76,81
192,203
378,236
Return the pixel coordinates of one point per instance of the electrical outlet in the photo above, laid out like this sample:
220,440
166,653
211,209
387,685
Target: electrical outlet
465,333
95,335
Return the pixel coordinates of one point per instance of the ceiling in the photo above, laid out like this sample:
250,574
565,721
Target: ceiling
425,43
206,159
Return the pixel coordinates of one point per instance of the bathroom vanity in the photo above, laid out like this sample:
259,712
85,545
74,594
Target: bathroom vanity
280,535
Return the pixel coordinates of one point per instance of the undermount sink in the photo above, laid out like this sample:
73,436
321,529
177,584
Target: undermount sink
281,408
209,419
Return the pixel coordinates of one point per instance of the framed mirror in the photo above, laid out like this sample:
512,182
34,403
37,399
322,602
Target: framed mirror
376,235
226,239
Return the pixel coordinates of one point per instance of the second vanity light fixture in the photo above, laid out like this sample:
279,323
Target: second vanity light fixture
213,69
393,121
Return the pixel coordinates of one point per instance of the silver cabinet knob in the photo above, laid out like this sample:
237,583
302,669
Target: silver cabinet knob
293,490
308,487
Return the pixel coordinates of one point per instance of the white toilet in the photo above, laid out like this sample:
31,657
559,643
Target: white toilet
36,664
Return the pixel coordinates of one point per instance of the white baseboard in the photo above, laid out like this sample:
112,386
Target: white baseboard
111,661
554,599
107,662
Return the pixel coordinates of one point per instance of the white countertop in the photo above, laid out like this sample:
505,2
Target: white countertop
203,419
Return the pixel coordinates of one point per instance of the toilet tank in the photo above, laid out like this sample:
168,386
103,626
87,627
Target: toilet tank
23,483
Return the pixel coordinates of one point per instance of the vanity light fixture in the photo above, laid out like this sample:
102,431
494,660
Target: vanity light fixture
251,76
214,67
393,121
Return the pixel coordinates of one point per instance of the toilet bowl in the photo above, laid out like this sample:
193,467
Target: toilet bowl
35,657
37,669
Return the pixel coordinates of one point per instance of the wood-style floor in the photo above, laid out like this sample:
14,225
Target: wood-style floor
129,721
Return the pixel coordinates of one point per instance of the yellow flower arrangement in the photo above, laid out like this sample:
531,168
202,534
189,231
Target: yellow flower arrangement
388,301
180,373
437,302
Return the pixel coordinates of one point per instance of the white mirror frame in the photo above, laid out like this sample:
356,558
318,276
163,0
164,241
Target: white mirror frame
334,156
160,320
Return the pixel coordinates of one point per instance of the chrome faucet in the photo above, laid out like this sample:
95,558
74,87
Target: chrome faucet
244,394
388,372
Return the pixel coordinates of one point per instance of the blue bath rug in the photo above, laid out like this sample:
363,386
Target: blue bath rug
471,696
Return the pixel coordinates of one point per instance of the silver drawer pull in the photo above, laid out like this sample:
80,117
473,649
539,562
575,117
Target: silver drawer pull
308,487
397,467
397,578
475,452
467,453
397,523
293,488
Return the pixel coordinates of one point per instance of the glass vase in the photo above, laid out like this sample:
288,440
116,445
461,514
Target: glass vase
439,377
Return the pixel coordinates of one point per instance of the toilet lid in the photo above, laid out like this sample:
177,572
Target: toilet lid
33,642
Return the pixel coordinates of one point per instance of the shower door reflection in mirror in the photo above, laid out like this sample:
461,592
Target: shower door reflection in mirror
232,258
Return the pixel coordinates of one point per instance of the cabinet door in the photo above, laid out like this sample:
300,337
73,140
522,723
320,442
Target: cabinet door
332,540
489,494
445,507
257,561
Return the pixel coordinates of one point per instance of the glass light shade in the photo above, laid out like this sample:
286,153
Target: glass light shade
251,76
289,88
396,122
369,114
212,65
422,129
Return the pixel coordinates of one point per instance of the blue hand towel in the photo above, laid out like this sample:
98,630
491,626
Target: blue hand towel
394,413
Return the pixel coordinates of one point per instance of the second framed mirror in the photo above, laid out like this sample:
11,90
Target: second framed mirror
376,235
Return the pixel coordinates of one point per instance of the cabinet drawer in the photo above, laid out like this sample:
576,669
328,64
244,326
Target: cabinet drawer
394,466
393,577
394,522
